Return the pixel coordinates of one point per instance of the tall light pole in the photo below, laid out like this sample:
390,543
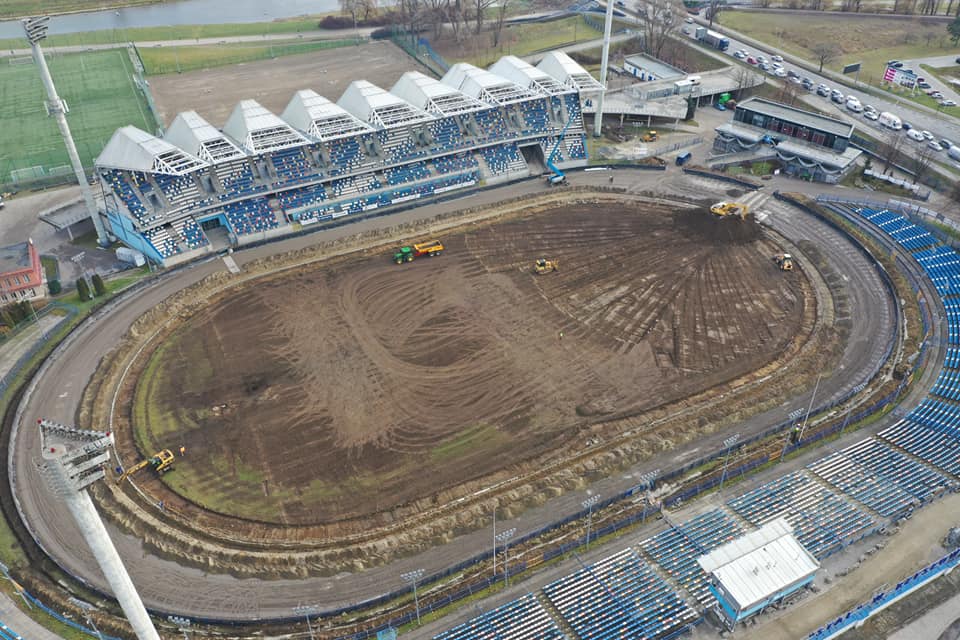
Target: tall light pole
809,408
604,61
646,481
86,607
412,577
728,445
183,625
588,504
504,538
71,460
36,30
306,611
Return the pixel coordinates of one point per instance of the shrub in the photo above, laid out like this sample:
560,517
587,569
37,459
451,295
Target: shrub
98,286
83,291
54,287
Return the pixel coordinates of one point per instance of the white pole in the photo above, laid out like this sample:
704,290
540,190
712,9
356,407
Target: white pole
604,60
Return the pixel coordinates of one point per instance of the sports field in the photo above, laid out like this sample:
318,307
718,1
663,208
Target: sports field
100,94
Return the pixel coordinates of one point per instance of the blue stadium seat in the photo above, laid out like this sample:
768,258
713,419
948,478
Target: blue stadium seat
522,619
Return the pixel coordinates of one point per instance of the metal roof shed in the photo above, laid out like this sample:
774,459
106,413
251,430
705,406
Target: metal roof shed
758,569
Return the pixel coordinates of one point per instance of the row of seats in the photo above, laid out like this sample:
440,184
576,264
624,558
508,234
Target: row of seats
446,135
455,163
619,597
118,183
6,633
490,124
823,521
939,449
917,479
302,197
521,619
161,240
250,216
676,549
947,384
942,265
178,189
937,415
503,158
190,232
535,116
292,166
864,483
406,173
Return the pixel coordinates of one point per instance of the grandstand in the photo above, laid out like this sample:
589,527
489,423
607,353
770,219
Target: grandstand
264,175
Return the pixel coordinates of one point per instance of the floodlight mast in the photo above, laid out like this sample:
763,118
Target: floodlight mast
36,30
604,60
72,460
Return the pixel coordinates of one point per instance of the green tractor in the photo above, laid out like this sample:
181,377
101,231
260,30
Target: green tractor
405,254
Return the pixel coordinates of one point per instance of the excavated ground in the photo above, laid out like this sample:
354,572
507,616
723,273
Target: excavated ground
352,387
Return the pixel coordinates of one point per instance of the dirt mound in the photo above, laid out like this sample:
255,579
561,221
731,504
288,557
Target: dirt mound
702,226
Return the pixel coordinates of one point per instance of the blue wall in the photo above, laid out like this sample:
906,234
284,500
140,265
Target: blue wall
123,228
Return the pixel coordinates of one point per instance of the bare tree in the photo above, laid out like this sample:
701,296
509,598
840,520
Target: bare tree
787,93
663,19
890,149
744,78
480,7
825,52
921,164
713,10
501,16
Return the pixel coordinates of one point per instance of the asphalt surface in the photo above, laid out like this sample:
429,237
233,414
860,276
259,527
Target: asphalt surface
168,587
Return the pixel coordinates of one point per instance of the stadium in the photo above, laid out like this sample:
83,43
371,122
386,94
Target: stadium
577,404
264,175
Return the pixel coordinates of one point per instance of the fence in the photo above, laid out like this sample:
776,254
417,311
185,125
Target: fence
858,615
723,177
436,57
7,378
934,222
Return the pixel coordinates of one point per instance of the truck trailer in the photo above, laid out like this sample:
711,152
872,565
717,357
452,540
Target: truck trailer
712,38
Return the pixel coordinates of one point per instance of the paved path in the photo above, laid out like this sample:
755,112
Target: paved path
19,622
934,624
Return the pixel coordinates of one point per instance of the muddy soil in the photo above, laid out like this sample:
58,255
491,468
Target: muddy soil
347,389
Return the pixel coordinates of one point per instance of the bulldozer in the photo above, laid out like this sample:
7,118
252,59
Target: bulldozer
161,462
407,254
728,209
542,266
784,261
650,136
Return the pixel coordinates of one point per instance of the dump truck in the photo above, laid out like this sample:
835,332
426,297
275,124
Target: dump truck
727,209
161,462
784,261
650,136
542,266
408,254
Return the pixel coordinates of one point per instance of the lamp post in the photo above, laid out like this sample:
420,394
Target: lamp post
86,607
728,444
504,538
412,577
588,504
646,481
306,611
183,624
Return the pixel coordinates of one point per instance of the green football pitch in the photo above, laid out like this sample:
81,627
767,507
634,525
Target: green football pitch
101,96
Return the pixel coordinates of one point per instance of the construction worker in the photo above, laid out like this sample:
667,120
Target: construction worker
795,435
183,450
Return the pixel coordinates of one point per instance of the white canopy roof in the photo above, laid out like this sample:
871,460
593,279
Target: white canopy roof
485,86
318,117
132,149
526,75
433,96
562,67
380,108
198,137
760,564
259,130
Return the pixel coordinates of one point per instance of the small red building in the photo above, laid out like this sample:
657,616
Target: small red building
21,273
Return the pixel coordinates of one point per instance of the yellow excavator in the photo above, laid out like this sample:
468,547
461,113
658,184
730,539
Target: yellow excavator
161,462
727,209
784,261
542,266
650,136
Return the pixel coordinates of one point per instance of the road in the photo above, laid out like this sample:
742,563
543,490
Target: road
168,587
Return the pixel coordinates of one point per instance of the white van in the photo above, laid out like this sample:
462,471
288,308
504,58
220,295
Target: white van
854,105
954,153
890,121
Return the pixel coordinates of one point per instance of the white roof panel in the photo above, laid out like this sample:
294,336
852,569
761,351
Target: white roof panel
433,96
133,149
760,564
198,137
259,130
526,75
486,86
562,67
318,117
379,108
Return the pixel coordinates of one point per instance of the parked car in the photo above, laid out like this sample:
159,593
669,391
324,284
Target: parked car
947,103
896,64
923,84
823,90
907,126
837,97
936,95
945,143
765,66
807,84
751,60
793,74
933,144
740,55
870,115
913,134
926,134
777,58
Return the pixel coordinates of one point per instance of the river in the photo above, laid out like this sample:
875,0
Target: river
175,13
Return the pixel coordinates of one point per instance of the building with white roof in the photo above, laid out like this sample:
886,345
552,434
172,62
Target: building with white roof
433,96
199,138
135,150
486,86
757,570
559,65
378,107
259,130
526,75
319,118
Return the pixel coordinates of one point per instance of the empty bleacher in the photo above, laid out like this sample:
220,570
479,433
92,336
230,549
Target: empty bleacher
179,190
302,197
619,597
455,163
939,449
522,619
165,244
190,232
410,172
122,188
676,549
490,124
503,159
250,216
535,117
446,135
823,521
236,177
858,480
292,166
345,155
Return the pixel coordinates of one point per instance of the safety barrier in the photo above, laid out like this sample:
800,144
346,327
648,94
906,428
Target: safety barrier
856,616
50,612
719,176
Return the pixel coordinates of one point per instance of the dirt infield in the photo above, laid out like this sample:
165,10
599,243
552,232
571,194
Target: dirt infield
213,93
354,386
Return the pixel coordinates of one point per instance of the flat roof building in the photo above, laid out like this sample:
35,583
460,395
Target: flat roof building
757,570
646,67
814,146
21,273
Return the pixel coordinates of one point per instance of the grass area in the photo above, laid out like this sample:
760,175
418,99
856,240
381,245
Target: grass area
468,441
160,60
50,267
179,32
945,74
99,92
857,37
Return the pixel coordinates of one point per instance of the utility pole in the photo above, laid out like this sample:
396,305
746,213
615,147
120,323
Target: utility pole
504,538
307,611
36,30
588,504
604,61
412,577
183,625
728,445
